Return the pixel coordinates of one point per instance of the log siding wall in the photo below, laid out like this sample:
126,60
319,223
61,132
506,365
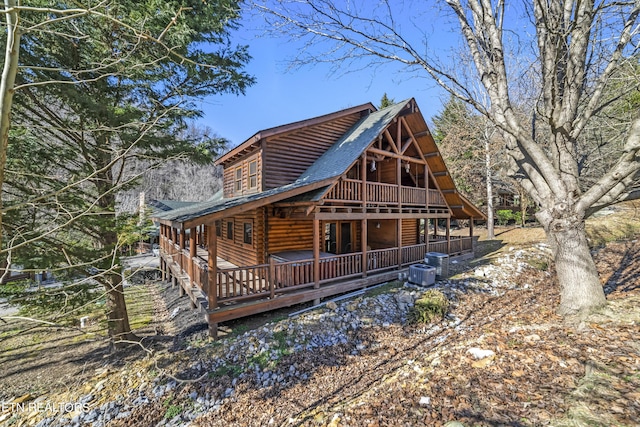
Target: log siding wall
410,232
286,234
288,156
229,176
235,250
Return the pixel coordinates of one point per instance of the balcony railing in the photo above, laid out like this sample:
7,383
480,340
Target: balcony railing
350,190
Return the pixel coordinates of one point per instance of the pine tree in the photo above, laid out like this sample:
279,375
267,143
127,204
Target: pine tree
121,82
386,101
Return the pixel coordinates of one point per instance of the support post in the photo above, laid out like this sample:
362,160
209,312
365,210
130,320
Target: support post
272,277
363,243
448,235
363,179
399,233
193,233
426,233
181,245
212,288
364,224
426,184
316,253
399,220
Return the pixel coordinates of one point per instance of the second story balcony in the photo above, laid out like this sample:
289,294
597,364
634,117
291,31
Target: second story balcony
351,191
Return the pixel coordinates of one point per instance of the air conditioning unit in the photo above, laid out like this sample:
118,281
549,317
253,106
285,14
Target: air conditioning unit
421,274
440,261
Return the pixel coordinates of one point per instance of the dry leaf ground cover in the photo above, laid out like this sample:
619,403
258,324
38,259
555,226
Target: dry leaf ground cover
544,370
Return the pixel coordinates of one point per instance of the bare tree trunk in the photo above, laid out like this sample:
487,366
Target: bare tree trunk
580,289
487,164
9,72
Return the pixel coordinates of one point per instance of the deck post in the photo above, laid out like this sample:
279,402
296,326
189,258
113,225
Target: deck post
212,279
399,233
316,257
173,241
364,238
272,277
364,224
363,178
163,252
426,186
473,250
448,235
182,244
316,253
193,233
399,220
426,233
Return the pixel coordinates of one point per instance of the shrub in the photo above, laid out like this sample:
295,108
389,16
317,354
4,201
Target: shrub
504,216
518,218
432,305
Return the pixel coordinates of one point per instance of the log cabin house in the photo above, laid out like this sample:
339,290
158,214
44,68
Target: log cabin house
313,209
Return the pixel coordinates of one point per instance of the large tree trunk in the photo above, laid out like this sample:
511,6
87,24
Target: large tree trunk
117,317
580,289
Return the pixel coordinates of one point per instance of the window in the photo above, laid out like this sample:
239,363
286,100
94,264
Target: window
219,228
253,174
230,230
238,180
248,233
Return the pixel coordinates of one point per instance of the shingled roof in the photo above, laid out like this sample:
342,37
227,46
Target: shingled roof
313,183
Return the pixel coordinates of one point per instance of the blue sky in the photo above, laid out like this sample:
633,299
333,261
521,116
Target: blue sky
280,96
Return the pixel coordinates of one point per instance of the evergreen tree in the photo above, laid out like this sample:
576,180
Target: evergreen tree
386,101
97,91
458,134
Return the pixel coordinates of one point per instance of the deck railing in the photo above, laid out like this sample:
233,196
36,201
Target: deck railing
413,254
414,196
438,246
382,259
457,245
349,190
185,258
269,280
243,281
346,189
436,198
382,193
200,274
293,274
339,266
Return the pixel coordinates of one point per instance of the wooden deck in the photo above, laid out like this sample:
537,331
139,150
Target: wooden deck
288,279
236,308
